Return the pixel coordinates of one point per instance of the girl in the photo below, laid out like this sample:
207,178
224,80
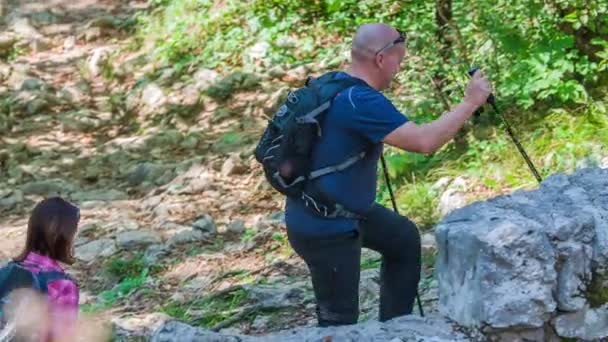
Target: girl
50,236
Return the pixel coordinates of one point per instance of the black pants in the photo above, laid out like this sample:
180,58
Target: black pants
334,264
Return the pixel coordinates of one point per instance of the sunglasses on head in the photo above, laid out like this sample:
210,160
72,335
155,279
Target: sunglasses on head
401,39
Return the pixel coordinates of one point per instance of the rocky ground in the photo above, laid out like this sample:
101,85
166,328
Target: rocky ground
176,217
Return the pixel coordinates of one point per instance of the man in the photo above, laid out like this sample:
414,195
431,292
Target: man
362,119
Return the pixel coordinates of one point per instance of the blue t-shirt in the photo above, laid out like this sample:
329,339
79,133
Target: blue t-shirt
359,119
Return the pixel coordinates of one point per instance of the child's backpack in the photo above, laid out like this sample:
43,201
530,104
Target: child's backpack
15,275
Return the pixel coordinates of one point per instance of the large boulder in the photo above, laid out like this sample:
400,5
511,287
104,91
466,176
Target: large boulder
531,264
402,329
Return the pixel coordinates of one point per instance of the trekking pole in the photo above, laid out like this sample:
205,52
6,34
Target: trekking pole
390,191
492,101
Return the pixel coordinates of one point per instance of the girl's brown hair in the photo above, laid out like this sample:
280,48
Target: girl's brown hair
51,230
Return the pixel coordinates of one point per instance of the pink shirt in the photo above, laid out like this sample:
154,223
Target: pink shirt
62,297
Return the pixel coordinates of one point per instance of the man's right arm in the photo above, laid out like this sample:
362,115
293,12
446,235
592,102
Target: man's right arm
429,137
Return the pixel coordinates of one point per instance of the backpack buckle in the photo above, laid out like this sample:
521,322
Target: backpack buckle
292,97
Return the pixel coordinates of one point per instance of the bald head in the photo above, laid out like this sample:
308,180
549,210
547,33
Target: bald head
377,69
370,38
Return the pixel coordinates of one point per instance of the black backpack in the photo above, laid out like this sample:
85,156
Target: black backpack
285,148
16,276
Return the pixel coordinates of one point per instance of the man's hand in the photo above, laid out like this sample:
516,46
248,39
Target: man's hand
478,90
429,137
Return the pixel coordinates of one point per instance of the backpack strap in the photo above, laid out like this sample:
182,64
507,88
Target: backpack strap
329,209
15,275
43,278
338,167
310,117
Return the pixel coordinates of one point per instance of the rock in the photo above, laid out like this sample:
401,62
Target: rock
205,224
153,253
149,172
427,242
260,322
36,106
69,43
33,84
5,71
277,217
236,227
98,59
175,331
232,166
136,327
369,293
441,184
48,187
106,21
274,219
91,34
196,180
44,17
575,270
87,228
230,331
95,249
72,94
80,240
257,53
135,62
40,44
153,96
518,263
286,41
186,235
369,254
204,78
403,329
199,284
587,324
604,163
10,199
136,238
177,297
276,72
22,27
19,73
277,297
453,197
7,41
81,120
297,75
99,195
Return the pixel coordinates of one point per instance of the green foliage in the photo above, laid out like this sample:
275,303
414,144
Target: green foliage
125,268
124,288
230,141
248,234
548,62
597,292
235,82
538,54
209,311
132,274
418,201
372,263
